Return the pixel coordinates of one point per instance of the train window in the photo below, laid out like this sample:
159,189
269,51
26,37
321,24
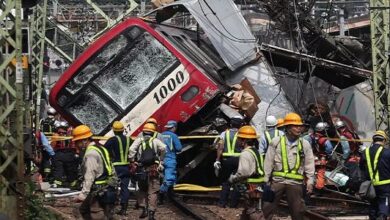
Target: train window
190,93
141,64
92,110
95,65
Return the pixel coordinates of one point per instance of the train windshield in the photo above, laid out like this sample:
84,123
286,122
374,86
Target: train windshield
115,78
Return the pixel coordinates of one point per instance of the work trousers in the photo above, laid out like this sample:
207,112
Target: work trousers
321,169
123,174
294,194
147,194
229,166
95,207
169,175
65,167
379,208
45,166
225,192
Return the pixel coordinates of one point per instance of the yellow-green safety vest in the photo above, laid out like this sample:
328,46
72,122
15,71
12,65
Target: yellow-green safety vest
107,172
268,135
286,172
230,145
373,171
150,144
259,167
123,152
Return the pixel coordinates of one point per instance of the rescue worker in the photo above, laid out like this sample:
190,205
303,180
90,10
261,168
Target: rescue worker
65,162
147,154
156,134
118,147
45,153
354,146
250,166
47,124
288,161
228,152
375,163
99,182
270,132
322,149
47,128
173,147
280,124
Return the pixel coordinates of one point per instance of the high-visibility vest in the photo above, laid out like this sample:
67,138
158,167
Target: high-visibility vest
123,152
149,144
107,168
286,172
259,176
268,135
373,170
230,145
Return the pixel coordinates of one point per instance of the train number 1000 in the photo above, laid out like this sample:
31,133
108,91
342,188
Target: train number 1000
169,87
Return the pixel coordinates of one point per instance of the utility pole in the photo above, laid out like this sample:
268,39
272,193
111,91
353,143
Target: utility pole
342,20
11,112
37,39
380,37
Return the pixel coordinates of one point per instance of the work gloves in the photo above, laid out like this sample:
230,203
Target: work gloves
160,167
217,167
133,167
231,179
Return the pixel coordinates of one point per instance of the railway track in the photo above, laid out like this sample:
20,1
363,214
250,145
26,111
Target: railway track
203,206
319,207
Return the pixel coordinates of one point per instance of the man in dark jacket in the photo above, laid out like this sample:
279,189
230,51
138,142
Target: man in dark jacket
375,164
118,146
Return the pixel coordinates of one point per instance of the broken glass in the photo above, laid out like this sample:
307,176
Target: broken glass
95,64
92,110
133,71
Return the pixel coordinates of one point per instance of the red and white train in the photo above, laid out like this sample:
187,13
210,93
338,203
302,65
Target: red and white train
137,70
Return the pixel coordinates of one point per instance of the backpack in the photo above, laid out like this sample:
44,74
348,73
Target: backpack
148,155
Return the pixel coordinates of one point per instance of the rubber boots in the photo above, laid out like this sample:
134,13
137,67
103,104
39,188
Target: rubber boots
151,215
160,198
144,213
123,209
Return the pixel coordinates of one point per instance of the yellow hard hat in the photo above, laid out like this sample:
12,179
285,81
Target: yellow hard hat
382,134
292,119
280,122
149,127
152,120
117,126
81,132
247,132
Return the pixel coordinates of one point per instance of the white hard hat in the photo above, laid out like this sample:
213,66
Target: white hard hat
51,111
339,124
61,124
321,126
271,121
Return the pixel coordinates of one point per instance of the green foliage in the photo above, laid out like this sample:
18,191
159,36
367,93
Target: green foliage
34,203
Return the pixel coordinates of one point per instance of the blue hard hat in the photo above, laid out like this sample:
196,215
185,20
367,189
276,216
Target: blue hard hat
171,124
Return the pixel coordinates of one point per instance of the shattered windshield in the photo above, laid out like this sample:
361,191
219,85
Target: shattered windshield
92,110
140,64
95,65
115,77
